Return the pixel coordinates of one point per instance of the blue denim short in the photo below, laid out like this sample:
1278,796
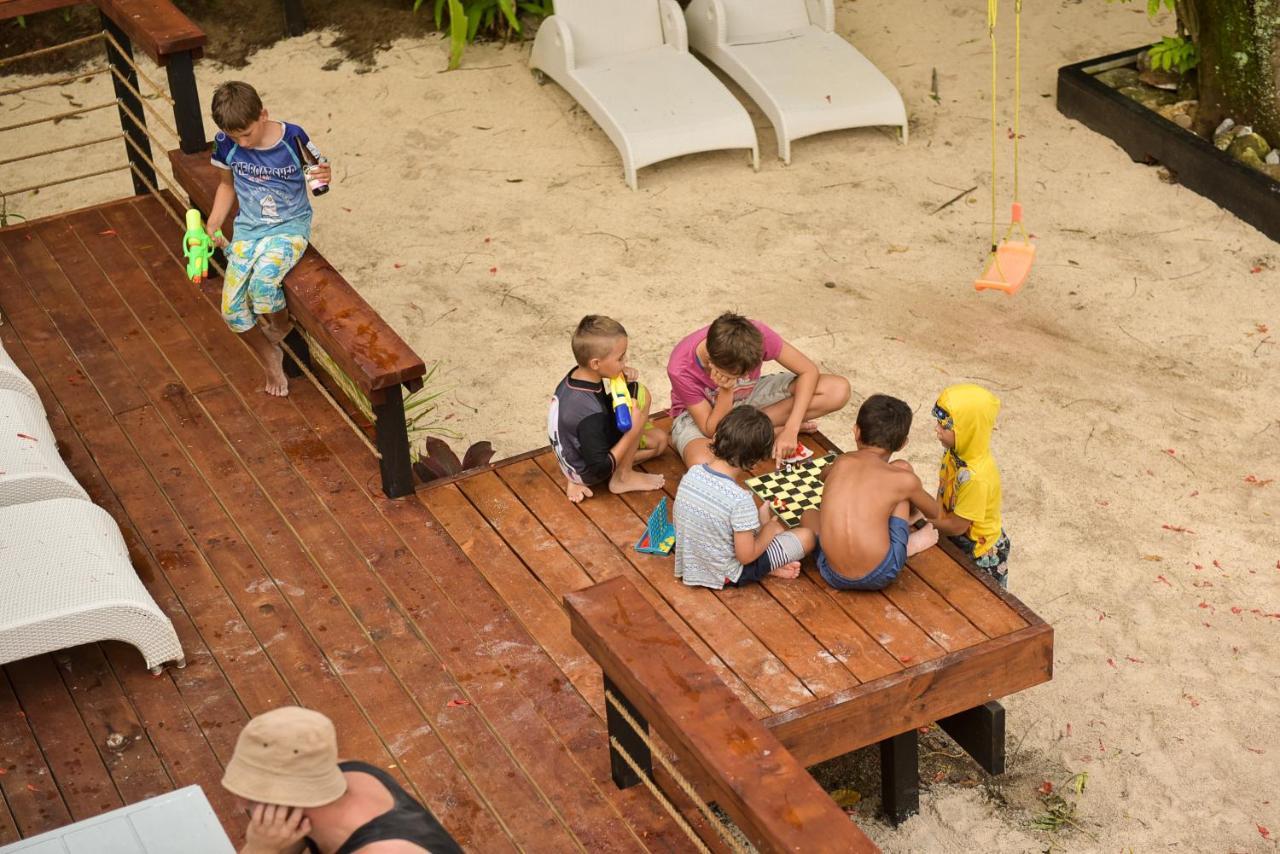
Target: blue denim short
884,574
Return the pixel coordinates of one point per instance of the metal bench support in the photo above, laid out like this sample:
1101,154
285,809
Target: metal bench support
617,727
980,732
900,776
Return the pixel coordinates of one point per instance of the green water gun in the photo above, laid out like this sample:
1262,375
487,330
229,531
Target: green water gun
197,247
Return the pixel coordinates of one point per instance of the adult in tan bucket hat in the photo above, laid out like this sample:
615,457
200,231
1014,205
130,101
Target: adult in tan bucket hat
301,798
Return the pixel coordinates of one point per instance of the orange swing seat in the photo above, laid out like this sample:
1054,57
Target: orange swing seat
1010,263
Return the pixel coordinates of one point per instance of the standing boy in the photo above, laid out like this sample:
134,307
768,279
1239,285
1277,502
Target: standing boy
969,480
581,424
718,367
864,537
261,168
721,538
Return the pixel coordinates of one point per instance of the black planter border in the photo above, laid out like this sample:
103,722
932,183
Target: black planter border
1146,136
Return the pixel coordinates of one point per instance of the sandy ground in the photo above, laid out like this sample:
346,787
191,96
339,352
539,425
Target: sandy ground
483,215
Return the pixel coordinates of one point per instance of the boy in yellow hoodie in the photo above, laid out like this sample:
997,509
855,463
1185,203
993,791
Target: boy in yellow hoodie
968,479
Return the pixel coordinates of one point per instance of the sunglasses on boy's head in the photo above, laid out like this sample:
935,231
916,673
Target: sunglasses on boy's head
944,417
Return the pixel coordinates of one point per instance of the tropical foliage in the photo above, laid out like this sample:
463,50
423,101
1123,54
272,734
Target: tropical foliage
467,19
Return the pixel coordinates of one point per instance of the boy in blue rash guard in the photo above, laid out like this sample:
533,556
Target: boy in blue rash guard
262,169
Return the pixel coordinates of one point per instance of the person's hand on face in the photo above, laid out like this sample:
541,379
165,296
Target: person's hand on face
273,829
723,381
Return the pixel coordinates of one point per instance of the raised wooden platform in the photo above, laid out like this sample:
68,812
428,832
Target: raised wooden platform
431,629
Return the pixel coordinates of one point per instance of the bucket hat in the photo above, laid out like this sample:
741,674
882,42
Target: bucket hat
287,756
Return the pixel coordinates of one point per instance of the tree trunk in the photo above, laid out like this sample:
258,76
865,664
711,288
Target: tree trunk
1239,69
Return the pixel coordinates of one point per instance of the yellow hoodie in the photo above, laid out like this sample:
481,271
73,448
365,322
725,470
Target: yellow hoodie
968,479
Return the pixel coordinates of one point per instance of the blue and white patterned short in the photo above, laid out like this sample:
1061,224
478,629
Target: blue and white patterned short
254,283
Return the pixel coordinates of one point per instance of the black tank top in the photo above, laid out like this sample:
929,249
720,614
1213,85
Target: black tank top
407,820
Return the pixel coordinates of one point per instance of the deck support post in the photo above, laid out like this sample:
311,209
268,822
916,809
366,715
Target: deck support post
295,19
617,727
120,65
393,442
186,102
296,346
980,732
900,776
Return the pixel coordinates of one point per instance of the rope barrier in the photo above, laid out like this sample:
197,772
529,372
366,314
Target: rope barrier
59,116
145,103
84,144
659,795
84,75
136,68
680,779
63,181
31,53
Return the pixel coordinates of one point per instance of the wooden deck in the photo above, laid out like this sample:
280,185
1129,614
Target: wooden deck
432,628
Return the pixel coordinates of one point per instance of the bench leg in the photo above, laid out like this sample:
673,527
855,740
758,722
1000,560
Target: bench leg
900,776
980,732
297,345
617,727
393,444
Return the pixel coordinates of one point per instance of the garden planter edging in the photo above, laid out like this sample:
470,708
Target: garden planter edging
1146,136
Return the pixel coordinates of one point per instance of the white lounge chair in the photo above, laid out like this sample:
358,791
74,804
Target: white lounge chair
65,579
788,58
627,63
12,379
30,468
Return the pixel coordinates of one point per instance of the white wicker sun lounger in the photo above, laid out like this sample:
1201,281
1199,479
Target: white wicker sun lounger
30,468
12,379
65,580
788,58
627,63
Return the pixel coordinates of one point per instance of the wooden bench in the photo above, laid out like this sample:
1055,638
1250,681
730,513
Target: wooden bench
661,681
346,327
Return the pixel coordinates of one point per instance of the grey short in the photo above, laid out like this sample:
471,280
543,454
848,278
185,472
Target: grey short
768,391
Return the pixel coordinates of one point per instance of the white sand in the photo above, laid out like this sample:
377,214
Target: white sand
1138,391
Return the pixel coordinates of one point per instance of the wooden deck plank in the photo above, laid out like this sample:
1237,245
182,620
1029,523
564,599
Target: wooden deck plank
29,787
554,704
966,594
759,668
8,826
51,289
113,727
946,626
76,766
600,557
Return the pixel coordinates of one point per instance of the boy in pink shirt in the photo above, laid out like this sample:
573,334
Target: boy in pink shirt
718,367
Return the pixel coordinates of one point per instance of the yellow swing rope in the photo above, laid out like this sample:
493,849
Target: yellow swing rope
992,11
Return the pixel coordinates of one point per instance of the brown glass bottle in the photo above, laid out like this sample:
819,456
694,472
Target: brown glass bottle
309,164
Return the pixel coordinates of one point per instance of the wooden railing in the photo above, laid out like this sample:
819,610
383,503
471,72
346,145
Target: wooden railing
652,677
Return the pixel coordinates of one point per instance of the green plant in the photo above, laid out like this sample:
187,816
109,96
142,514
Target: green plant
491,18
1174,53
5,216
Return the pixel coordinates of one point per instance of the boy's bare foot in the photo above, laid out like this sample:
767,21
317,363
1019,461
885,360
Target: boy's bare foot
787,570
921,539
577,492
634,481
277,382
809,427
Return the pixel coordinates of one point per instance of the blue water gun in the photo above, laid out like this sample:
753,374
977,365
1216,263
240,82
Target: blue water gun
621,403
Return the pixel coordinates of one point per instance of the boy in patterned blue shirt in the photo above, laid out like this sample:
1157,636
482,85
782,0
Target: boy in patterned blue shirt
262,169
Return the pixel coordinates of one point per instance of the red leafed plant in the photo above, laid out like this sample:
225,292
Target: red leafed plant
440,461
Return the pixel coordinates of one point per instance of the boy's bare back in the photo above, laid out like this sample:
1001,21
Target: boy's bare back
859,495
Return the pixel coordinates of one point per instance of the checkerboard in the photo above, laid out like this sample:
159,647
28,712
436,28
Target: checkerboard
791,491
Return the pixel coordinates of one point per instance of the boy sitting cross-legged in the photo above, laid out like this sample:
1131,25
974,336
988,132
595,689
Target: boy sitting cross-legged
718,367
721,538
260,166
863,533
581,424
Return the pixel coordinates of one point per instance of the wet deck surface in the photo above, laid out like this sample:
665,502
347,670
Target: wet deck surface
257,525
431,628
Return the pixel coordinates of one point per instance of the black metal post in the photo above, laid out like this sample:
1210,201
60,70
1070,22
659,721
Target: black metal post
900,776
617,727
980,732
297,346
393,443
186,102
120,63
295,19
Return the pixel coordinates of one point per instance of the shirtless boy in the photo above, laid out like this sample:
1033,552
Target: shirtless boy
863,534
